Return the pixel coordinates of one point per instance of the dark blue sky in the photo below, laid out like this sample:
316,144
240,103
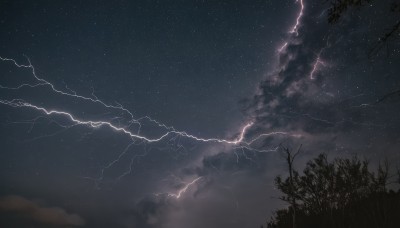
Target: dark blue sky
205,68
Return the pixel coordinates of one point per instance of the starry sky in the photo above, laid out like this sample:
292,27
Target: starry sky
169,114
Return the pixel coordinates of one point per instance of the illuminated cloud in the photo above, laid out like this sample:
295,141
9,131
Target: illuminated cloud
28,209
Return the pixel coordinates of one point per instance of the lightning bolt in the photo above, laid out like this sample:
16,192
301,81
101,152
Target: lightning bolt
282,47
299,16
43,82
125,130
17,103
295,27
317,63
184,189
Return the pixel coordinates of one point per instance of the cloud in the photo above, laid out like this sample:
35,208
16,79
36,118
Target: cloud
326,109
230,186
55,216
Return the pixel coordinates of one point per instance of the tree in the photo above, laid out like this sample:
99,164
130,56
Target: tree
338,193
290,185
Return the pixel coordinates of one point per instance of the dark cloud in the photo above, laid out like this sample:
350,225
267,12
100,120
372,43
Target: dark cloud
28,209
326,108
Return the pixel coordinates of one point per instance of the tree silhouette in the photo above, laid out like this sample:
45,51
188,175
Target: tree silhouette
290,185
338,193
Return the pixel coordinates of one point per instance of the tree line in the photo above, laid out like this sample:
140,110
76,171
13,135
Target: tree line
342,193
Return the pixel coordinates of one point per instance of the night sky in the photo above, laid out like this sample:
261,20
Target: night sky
169,114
